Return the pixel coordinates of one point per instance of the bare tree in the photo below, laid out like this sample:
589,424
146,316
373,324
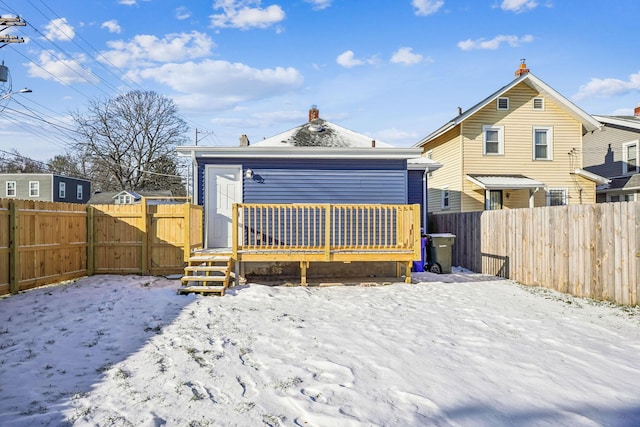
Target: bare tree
14,162
127,137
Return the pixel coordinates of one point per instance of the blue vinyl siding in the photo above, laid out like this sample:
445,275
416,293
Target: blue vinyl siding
71,189
414,191
319,181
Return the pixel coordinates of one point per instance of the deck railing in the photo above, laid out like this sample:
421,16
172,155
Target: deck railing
326,229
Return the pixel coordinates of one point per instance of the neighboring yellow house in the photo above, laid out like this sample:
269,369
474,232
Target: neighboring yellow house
520,147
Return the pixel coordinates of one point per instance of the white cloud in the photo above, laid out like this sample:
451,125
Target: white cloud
148,49
112,26
59,29
127,2
513,41
320,4
605,88
518,6
348,60
405,56
220,84
182,13
245,14
394,134
66,71
427,7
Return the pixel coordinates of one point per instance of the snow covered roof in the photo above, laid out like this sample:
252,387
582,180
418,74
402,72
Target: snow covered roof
622,183
320,133
631,122
504,182
423,163
318,138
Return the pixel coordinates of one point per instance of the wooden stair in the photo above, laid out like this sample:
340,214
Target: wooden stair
207,274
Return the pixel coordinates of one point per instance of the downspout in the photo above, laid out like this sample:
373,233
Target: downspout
425,202
194,178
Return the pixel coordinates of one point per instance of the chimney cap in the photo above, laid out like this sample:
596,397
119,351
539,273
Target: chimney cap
523,68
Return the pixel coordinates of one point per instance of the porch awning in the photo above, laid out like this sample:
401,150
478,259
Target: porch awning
504,182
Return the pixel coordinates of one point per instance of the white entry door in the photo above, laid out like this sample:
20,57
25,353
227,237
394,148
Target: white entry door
223,189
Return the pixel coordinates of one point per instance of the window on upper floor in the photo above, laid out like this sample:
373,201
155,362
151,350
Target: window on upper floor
542,143
538,104
430,157
11,189
445,198
79,192
630,157
34,189
62,190
493,139
503,103
557,196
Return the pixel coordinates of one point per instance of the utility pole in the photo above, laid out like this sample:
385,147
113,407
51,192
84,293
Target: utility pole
9,21
203,132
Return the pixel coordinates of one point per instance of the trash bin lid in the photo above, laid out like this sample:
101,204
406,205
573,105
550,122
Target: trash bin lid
441,235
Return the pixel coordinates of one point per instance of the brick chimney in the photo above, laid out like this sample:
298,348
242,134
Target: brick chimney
314,113
636,111
523,68
244,141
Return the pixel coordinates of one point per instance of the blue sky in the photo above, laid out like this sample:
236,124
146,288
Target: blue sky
392,69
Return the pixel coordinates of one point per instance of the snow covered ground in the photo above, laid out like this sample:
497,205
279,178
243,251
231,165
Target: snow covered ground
128,351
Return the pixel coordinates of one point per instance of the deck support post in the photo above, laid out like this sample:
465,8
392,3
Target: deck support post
407,271
303,272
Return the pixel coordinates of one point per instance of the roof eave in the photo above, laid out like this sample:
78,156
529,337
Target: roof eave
618,122
299,152
599,180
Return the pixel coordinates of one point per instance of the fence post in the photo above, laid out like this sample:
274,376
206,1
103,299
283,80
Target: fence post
145,237
91,240
327,232
234,231
14,246
187,232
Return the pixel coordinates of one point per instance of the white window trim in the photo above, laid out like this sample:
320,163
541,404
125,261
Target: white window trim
625,170
15,189
533,104
37,189
79,192
549,130
429,155
500,130
565,190
445,190
62,190
502,98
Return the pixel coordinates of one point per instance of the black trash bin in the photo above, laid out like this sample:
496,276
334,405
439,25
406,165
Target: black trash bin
439,251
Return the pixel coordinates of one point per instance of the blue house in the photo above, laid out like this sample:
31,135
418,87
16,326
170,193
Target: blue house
316,162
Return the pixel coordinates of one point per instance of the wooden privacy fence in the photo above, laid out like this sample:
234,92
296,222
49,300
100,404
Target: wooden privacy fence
41,243
144,238
46,242
585,250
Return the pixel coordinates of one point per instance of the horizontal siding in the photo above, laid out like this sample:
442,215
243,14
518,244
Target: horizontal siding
318,181
446,151
325,186
518,123
603,150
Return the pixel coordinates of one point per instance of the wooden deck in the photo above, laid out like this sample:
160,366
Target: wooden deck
308,233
